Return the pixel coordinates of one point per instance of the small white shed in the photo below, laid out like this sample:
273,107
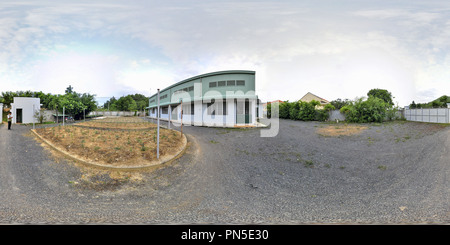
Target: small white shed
22,109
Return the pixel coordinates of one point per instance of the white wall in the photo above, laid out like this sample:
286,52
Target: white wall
201,117
1,112
26,104
433,115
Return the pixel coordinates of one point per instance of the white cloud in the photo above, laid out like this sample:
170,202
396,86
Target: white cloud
294,47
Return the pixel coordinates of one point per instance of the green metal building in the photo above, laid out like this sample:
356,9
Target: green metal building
222,99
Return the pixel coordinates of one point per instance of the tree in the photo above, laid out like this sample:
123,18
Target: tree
383,94
364,111
69,89
141,101
75,104
338,103
126,103
110,104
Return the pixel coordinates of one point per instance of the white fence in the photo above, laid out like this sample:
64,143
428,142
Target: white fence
434,115
115,113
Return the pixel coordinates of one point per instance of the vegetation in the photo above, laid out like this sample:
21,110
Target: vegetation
77,104
300,110
378,107
122,142
440,102
127,103
74,103
339,103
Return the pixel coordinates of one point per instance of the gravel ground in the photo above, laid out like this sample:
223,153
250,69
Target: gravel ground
390,173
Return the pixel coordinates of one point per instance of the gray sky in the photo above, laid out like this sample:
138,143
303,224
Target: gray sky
334,49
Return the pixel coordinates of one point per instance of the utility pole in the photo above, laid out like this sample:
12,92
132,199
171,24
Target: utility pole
157,137
34,116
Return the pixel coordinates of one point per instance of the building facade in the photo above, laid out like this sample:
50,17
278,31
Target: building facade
23,109
221,99
308,97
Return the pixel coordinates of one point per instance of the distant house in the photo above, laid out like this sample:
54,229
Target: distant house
22,109
310,97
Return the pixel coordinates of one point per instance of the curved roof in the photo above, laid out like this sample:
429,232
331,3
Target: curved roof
207,75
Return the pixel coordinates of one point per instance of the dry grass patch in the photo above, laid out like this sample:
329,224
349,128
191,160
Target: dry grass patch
341,130
125,123
114,147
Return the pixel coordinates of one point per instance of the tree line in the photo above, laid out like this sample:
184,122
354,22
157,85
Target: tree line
440,102
136,102
377,107
73,103
77,104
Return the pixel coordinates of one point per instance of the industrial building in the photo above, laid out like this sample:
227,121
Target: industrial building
221,99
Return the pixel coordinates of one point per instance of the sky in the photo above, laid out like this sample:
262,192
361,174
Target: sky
331,48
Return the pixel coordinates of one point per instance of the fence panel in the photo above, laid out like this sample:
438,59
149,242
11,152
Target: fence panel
432,115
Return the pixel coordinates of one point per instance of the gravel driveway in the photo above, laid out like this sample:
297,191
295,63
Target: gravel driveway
389,173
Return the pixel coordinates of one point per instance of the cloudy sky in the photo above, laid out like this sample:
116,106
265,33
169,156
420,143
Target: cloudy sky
332,48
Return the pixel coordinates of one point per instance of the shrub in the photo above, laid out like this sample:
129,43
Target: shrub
322,115
307,111
284,110
363,111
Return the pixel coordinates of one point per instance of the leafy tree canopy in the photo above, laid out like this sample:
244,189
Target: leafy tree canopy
383,94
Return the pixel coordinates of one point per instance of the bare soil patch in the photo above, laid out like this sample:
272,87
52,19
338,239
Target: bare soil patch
114,142
341,130
121,123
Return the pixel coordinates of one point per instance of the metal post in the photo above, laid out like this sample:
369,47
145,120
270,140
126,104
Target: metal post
181,135
64,108
170,115
157,137
34,115
84,114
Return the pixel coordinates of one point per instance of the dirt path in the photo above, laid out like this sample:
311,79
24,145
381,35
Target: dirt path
389,173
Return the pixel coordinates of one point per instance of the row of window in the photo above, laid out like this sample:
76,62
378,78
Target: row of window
211,85
160,98
187,89
227,83
214,108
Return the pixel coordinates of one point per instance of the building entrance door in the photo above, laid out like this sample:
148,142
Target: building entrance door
247,111
18,115
242,111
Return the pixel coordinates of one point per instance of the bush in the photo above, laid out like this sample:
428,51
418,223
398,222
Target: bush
322,115
307,111
284,110
363,111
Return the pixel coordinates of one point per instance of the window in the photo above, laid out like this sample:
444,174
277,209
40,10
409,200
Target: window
152,101
240,83
221,83
188,109
164,110
231,83
163,97
213,84
217,108
191,88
